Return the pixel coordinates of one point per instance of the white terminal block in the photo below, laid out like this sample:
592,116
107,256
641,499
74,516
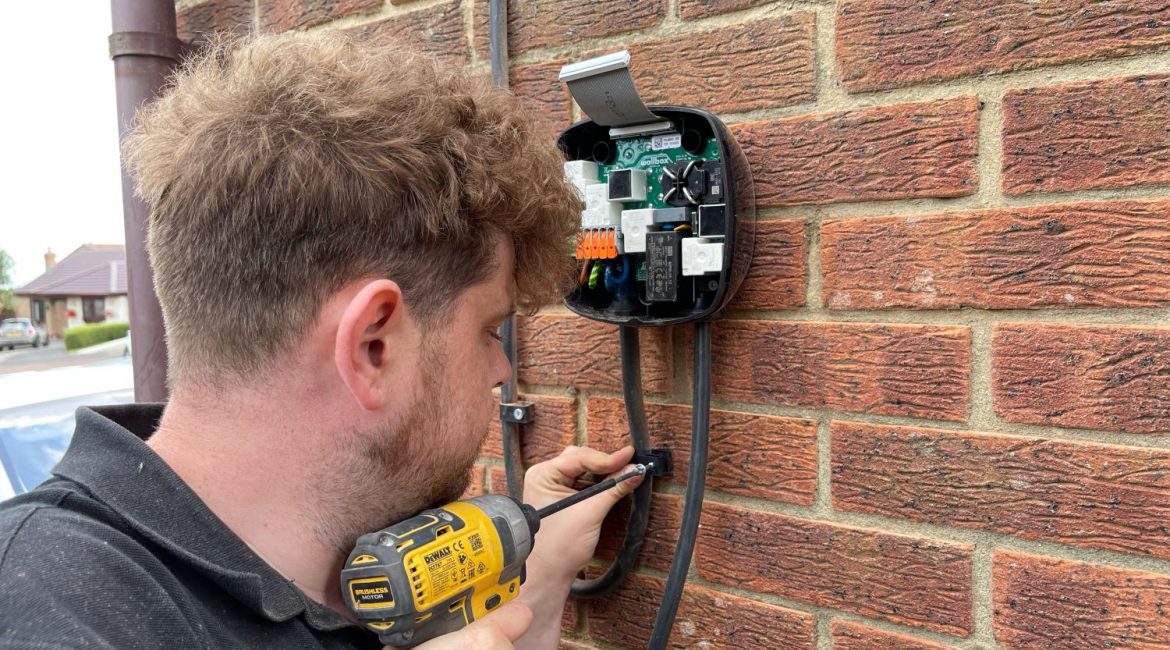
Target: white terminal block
635,225
584,170
581,174
701,256
599,211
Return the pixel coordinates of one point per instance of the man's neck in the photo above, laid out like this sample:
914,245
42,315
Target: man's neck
242,459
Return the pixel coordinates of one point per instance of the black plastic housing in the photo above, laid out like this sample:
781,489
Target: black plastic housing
588,140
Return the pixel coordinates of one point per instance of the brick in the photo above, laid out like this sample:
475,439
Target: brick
775,279
553,429
661,531
553,23
854,636
437,30
1100,496
1104,377
1110,254
285,15
475,485
707,619
912,370
194,24
751,455
768,64
906,580
1042,603
567,350
497,480
746,66
691,9
890,43
1100,134
924,149
538,88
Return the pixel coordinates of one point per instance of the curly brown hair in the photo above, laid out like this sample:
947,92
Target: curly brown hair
281,167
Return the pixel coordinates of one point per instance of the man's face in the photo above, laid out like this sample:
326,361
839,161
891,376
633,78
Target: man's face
422,456
462,362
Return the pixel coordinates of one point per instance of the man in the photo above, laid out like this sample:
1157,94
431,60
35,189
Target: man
337,232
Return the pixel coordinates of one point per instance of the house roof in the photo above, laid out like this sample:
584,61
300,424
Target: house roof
92,270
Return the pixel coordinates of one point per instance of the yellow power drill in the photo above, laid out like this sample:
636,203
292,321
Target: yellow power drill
436,572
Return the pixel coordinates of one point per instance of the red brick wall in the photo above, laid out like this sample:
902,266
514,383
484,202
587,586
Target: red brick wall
942,399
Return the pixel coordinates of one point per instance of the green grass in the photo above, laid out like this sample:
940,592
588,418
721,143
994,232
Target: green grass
84,336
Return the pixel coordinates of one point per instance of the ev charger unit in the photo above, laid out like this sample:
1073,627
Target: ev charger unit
669,221
665,238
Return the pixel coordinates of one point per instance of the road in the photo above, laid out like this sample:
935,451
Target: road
53,356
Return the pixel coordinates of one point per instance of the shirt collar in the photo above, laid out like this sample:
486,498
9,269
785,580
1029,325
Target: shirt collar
109,457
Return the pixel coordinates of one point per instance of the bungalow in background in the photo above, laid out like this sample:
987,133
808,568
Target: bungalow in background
88,286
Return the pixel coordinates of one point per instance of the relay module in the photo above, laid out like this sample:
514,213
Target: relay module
664,210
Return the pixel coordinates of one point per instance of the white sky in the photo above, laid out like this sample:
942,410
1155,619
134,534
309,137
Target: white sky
59,175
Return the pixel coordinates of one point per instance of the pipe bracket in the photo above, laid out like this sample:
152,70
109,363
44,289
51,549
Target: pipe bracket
148,44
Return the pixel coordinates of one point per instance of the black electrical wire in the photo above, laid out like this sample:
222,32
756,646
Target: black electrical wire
509,430
640,510
696,483
498,26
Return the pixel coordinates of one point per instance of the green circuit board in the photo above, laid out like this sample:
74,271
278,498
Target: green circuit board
639,153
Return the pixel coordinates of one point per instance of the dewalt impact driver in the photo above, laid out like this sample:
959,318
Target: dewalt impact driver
446,567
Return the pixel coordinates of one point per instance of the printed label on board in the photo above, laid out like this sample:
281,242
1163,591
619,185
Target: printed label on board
668,141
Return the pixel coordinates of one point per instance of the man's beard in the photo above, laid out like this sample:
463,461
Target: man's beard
383,477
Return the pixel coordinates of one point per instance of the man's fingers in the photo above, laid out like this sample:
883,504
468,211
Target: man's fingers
496,631
575,461
512,620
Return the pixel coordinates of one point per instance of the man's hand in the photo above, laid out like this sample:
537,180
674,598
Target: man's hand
567,539
495,631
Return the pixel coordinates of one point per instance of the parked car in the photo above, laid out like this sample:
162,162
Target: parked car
36,415
22,331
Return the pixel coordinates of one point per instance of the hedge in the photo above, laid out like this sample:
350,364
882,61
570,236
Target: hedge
84,336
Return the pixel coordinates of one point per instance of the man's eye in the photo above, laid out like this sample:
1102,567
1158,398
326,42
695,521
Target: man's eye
495,334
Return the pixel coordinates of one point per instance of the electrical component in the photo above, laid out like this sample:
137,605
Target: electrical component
635,225
581,174
672,215
712,220
627,185
662,265
598,244
599,211
684,183
701,256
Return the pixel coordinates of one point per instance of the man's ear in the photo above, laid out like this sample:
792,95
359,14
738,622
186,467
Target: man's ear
362,349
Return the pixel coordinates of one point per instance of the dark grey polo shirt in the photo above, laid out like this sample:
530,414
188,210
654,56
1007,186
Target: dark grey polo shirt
115,551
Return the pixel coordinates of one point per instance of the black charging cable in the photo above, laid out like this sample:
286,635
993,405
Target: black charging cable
627,556
696,484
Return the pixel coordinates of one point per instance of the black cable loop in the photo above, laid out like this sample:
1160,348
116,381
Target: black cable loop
640,511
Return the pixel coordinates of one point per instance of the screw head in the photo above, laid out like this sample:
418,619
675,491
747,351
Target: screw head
518,413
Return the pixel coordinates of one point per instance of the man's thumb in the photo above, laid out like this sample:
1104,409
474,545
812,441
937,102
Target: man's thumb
496,631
